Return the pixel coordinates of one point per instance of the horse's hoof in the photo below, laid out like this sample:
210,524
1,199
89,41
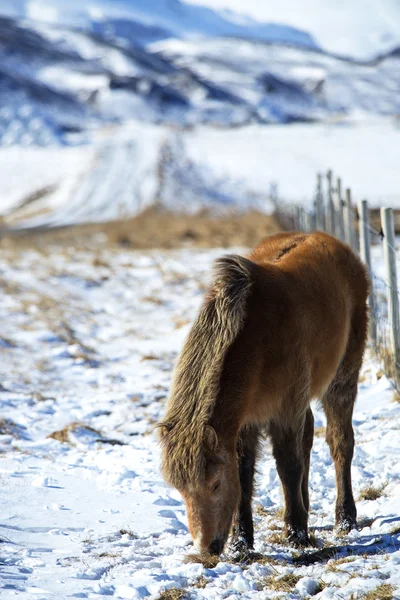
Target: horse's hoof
241,550
299,539
345,525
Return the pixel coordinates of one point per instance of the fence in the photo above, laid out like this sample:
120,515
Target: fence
333,211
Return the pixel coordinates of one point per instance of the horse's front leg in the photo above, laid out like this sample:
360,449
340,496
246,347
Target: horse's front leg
243,530
287,444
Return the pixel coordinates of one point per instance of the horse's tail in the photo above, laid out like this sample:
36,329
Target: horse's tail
197,374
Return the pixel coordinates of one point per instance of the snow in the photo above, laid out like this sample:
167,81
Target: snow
88,340
364,155
25,171
357,28
118,175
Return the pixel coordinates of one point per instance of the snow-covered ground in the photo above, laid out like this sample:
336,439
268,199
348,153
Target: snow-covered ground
88,339
363,154
129,168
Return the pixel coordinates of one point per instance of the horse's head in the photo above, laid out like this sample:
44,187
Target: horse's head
211,498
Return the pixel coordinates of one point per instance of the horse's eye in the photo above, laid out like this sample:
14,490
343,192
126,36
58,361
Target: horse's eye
216,486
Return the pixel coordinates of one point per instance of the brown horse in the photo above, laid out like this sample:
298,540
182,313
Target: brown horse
277,330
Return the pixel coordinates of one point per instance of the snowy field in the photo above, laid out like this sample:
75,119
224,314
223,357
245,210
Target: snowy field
87,345
119,174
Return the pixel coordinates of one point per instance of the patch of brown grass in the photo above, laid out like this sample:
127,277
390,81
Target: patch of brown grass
149,357
277,538
8,427
395,530
173,594
282,583
396,396
155,228
382,592
127,532
277,513
153,299
62,435
179,322
371,492
268,560
209,561
261,511
201,582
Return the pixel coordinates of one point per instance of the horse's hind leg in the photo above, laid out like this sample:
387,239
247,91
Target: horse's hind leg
243,531
287,444
308,438
338,404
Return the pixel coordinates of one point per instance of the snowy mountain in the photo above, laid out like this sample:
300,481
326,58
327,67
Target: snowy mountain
86,64
357,28
76,73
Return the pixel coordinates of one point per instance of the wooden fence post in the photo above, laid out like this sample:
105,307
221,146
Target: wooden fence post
391,281
339,210
365,253
319,206
303,219
349,221
330,213
297,218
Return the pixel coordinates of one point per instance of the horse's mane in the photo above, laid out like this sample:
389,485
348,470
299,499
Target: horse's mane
197,374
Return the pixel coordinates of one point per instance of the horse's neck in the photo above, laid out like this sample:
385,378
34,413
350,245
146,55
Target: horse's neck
226,419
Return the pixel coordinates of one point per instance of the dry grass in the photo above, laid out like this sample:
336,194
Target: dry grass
277,538
109,555
282,583
395,530
149,357
267,560
155,228
333,565
396,396
128,532
320,431
371,492
277,513
201,582
153,299
382,592
173,594
8,427
209,561
63,435
261,511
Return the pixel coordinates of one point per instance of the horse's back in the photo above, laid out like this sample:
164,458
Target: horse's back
317,288
314,264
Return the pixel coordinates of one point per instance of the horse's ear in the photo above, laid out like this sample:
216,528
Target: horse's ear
163,429
210,437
